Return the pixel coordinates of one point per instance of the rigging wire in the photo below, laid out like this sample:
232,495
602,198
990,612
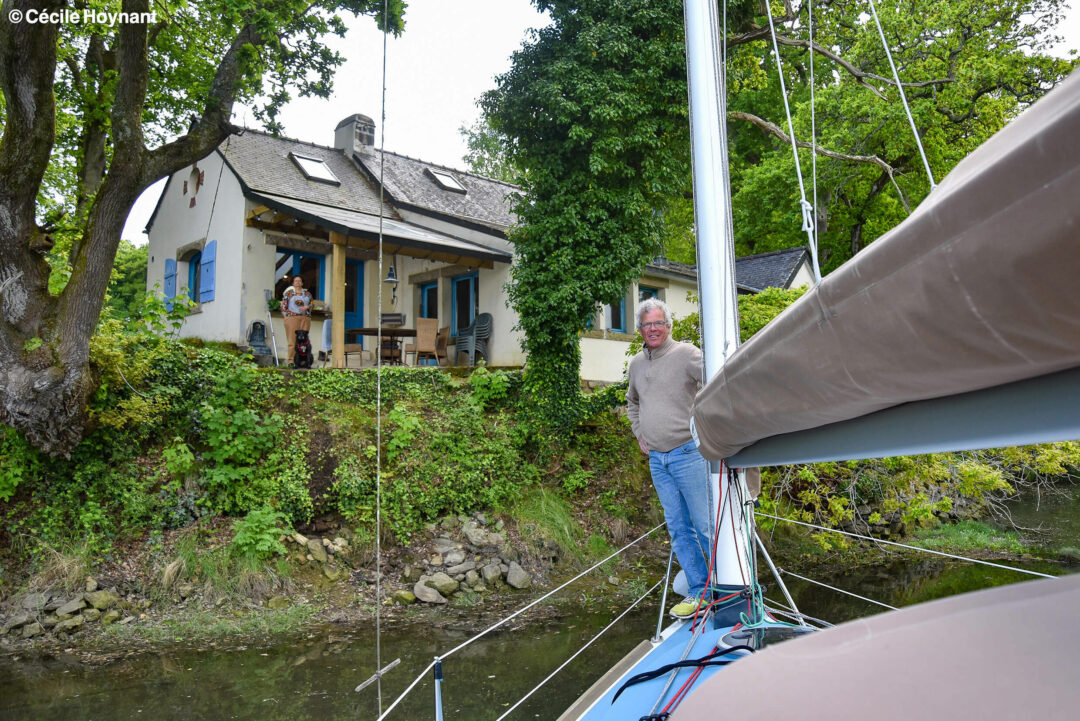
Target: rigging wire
799,614
517,613
804,204
378,376
813,146
903,97
581,650
904,545
838,590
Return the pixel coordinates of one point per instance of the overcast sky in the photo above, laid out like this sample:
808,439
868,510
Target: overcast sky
447,57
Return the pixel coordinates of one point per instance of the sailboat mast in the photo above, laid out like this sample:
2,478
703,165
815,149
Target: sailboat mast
715,251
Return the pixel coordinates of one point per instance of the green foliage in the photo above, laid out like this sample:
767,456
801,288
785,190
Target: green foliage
403,429
487,152
359,386
127,286
489,388
914,490
595,109
970,536
257,536
542,515
18,461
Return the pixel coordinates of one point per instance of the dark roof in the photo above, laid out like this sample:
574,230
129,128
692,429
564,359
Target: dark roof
438,246
409,182
770,270
262,164
752,272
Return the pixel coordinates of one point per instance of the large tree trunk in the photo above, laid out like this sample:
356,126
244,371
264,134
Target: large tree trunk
45,373
31,375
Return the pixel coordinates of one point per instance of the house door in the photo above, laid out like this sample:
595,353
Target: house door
354,295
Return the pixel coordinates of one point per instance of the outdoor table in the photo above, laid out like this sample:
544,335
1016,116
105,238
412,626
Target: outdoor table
393,335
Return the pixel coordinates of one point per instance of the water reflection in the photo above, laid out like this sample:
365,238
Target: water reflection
314,677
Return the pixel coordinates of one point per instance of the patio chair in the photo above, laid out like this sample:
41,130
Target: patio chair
427,330
442,340
474,339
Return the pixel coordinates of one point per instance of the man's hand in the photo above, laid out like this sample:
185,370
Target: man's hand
641,444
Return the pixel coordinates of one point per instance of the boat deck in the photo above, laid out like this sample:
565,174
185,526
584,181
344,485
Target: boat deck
645,698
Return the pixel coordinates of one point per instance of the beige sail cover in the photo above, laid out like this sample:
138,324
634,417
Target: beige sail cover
979,287
1003,653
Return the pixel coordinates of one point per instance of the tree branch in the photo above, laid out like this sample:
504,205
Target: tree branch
775,130
861,76
213,127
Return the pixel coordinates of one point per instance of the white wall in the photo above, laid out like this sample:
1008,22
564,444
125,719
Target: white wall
605,359
178,224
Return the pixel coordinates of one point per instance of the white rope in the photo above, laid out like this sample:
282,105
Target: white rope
804,205
580,651
904,545
903,97
518,613
378,379
838,590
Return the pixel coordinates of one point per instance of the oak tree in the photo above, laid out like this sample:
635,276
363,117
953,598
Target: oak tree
96,108
595,107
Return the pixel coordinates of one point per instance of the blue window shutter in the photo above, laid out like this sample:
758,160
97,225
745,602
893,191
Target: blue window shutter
170,282
207,272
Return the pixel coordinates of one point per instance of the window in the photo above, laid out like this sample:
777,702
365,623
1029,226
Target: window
315,169
429,300
644,292
309,266
466,303
615,314
446,181
194,263
199,280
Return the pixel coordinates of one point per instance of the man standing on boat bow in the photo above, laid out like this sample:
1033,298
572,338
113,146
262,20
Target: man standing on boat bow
664,378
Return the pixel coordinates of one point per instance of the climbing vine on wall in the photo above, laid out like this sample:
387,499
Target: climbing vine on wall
596,106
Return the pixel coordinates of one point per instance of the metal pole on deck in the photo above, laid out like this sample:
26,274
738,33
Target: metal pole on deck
438,689
715,247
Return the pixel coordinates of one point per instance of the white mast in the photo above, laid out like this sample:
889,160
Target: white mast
715,249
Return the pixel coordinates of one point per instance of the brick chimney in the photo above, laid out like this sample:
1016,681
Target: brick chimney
354,134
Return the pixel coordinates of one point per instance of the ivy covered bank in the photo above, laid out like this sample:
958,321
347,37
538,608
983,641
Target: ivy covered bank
210,483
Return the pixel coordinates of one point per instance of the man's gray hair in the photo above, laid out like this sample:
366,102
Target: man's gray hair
651,304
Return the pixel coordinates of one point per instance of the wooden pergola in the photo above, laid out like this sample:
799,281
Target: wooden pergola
354,234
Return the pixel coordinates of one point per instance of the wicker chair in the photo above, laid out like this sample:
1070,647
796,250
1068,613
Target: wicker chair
427,330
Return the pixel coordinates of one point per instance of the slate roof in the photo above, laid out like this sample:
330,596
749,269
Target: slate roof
262,164
770,270
408,182
350,222
752,272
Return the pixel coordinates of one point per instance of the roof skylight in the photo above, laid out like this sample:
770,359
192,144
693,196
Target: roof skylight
315,169
447,181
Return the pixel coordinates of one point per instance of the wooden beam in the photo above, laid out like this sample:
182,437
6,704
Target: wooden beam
337,300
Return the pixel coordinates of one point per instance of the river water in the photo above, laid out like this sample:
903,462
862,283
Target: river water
314,677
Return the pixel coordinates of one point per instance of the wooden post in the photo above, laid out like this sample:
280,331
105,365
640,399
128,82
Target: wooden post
337,299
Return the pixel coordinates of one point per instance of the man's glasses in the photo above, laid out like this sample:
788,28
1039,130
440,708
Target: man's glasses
654,324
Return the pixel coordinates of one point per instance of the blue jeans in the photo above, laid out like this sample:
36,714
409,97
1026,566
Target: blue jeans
681,479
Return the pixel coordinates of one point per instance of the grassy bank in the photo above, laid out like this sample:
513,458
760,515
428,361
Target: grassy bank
199,464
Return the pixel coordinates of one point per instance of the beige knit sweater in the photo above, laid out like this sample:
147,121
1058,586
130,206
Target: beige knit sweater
663,383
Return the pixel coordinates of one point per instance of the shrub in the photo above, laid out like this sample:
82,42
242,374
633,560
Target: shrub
257,536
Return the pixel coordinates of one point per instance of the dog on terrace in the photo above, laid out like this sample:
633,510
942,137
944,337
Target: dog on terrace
302,357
